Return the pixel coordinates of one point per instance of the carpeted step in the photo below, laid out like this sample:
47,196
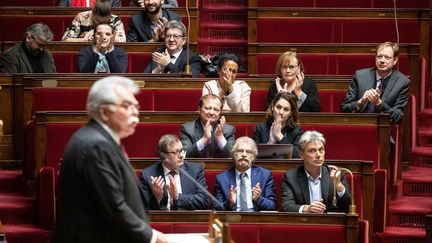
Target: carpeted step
408,211
417,181
11,181
425,136
421,156
17,209
401,235
26,233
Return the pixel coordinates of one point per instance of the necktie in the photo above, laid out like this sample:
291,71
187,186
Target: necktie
371,107
243,195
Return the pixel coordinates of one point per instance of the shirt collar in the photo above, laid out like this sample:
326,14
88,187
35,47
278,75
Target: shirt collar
377,77
311,178
109,131
248,173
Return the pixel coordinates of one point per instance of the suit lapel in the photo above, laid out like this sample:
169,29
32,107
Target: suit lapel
325,184
303,182
390,85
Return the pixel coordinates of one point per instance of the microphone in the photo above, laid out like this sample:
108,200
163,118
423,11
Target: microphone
196,183
188,71
352,208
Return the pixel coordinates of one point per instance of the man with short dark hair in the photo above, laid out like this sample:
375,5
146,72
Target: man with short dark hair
166,187
148,25
31,55
208,136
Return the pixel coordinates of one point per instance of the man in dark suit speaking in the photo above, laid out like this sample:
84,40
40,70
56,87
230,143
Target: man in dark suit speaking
165,185
100,198
379,89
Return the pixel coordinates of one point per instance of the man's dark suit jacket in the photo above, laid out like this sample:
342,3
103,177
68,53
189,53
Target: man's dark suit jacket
193,131
291,136
117,60
179,65
394,99
191,198
140,27
100,197
312,102
15,60
267,201
295,191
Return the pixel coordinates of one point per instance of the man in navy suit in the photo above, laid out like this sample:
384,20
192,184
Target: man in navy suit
166,187
379,89
245,187
100,197
172,58
314,187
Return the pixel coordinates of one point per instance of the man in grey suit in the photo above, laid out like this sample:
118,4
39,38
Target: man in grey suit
166,186
31,55
379,89
100,197
208,136
314,187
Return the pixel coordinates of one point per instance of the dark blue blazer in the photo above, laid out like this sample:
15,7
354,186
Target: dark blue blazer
191,198
267,201
117,60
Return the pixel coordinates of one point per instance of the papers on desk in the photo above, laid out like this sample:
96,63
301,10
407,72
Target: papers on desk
188,238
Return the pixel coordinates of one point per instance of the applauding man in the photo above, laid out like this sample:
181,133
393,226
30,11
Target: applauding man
165,185
245,187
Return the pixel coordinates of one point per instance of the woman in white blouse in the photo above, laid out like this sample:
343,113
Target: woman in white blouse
235,94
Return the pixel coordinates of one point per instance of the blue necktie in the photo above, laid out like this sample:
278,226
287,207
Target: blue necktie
243,194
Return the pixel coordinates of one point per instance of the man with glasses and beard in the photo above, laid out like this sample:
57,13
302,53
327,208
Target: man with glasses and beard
166,187
148,25
31,55
172,58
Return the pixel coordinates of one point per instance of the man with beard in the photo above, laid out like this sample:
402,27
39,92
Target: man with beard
103,56
31,55
148,25
208,136
166,187
100,199
379,89
245,187
172,59
314,187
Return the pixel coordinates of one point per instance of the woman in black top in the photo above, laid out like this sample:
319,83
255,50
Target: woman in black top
281,126
290,78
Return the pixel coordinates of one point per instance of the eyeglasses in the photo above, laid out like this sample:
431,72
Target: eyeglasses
127,105
177,152
38,44
289,67
247,151
175,37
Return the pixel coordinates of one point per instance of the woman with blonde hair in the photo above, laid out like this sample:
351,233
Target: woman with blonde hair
290,78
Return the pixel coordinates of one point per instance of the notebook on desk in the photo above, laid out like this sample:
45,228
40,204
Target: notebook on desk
275,151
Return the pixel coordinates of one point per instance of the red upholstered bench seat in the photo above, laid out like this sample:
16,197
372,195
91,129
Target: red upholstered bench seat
335,30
